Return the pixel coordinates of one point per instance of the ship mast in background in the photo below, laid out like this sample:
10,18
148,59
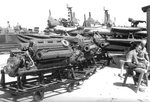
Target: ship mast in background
71,17
106,18
107,21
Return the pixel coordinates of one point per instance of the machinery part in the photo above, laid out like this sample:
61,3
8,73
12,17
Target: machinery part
12,66
70,87
17,62
65,42
99,51
94,71
104,44
13,94
80,82
38,95
44,54
99,41
90,47
77,56
51,48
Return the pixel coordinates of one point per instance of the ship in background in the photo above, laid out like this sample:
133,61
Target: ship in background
16,37
118,37
91,25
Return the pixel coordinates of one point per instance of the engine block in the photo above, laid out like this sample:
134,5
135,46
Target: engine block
40,54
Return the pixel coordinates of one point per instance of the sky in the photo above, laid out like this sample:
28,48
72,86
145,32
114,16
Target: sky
34,13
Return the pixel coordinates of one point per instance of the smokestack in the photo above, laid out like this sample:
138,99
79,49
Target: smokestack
49,12
8,24
85,22
84,17
89,14
147,9
73,15
106,16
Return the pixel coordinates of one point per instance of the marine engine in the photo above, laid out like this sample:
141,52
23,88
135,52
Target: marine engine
39,55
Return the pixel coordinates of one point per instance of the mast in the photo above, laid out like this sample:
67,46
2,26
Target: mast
69,14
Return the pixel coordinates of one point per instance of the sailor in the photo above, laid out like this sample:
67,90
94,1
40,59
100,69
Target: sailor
143,44
132,60
142,55
135,66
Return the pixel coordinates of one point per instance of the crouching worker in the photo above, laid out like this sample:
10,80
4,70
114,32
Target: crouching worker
132,58
134,65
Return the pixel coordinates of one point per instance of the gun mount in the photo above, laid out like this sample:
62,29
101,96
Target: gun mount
134,23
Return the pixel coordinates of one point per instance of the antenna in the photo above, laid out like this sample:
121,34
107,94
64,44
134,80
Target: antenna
67,5
49,12
8,24
104,8
84,17
106,16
